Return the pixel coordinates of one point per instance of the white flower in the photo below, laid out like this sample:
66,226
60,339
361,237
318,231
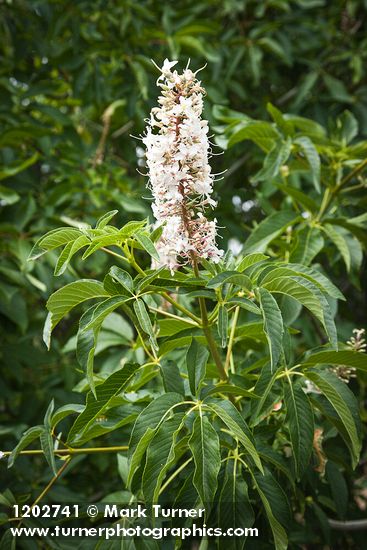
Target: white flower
179,172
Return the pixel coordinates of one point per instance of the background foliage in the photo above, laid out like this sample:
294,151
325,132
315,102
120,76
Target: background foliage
76,80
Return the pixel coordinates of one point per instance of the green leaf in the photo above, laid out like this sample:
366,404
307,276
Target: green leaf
310,297
27,438
122,277
304,200
338,487
160,457
308,243
148,245
230,277
228,413
53,239
234,506
172,377
278,155
10,171
169,327
341,244
196,359
66,298
205,448
262,133
268,230
273,325
65,411
70,249
47,446
103,220
95,407
300,424
338,395
271,497
98,313
146,425
223,325
313,159
350,358
245,303
144,321
250,260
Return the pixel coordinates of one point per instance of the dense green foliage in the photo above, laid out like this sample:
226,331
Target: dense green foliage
287,102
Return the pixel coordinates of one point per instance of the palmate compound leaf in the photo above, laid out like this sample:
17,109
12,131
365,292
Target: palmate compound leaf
146,426
111,387
273,325
66,298
344,403
300,424
161,456
205,449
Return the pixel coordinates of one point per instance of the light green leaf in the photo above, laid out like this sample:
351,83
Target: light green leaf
53,239
273,325
122,277
230,277
205,448
250,260
144,321
262,133
48,449
70,249
66,298
103,220
147,244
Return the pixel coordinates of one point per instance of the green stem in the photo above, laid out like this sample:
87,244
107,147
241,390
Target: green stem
180,307
231,338
207,331
70,451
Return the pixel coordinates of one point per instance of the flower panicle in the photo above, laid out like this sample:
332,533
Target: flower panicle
180,178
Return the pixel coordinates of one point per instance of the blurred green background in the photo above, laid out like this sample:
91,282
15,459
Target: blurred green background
76,79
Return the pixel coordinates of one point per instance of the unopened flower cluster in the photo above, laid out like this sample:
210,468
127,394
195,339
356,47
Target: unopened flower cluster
180,176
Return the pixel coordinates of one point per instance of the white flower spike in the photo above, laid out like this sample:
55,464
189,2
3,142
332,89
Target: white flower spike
180,176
